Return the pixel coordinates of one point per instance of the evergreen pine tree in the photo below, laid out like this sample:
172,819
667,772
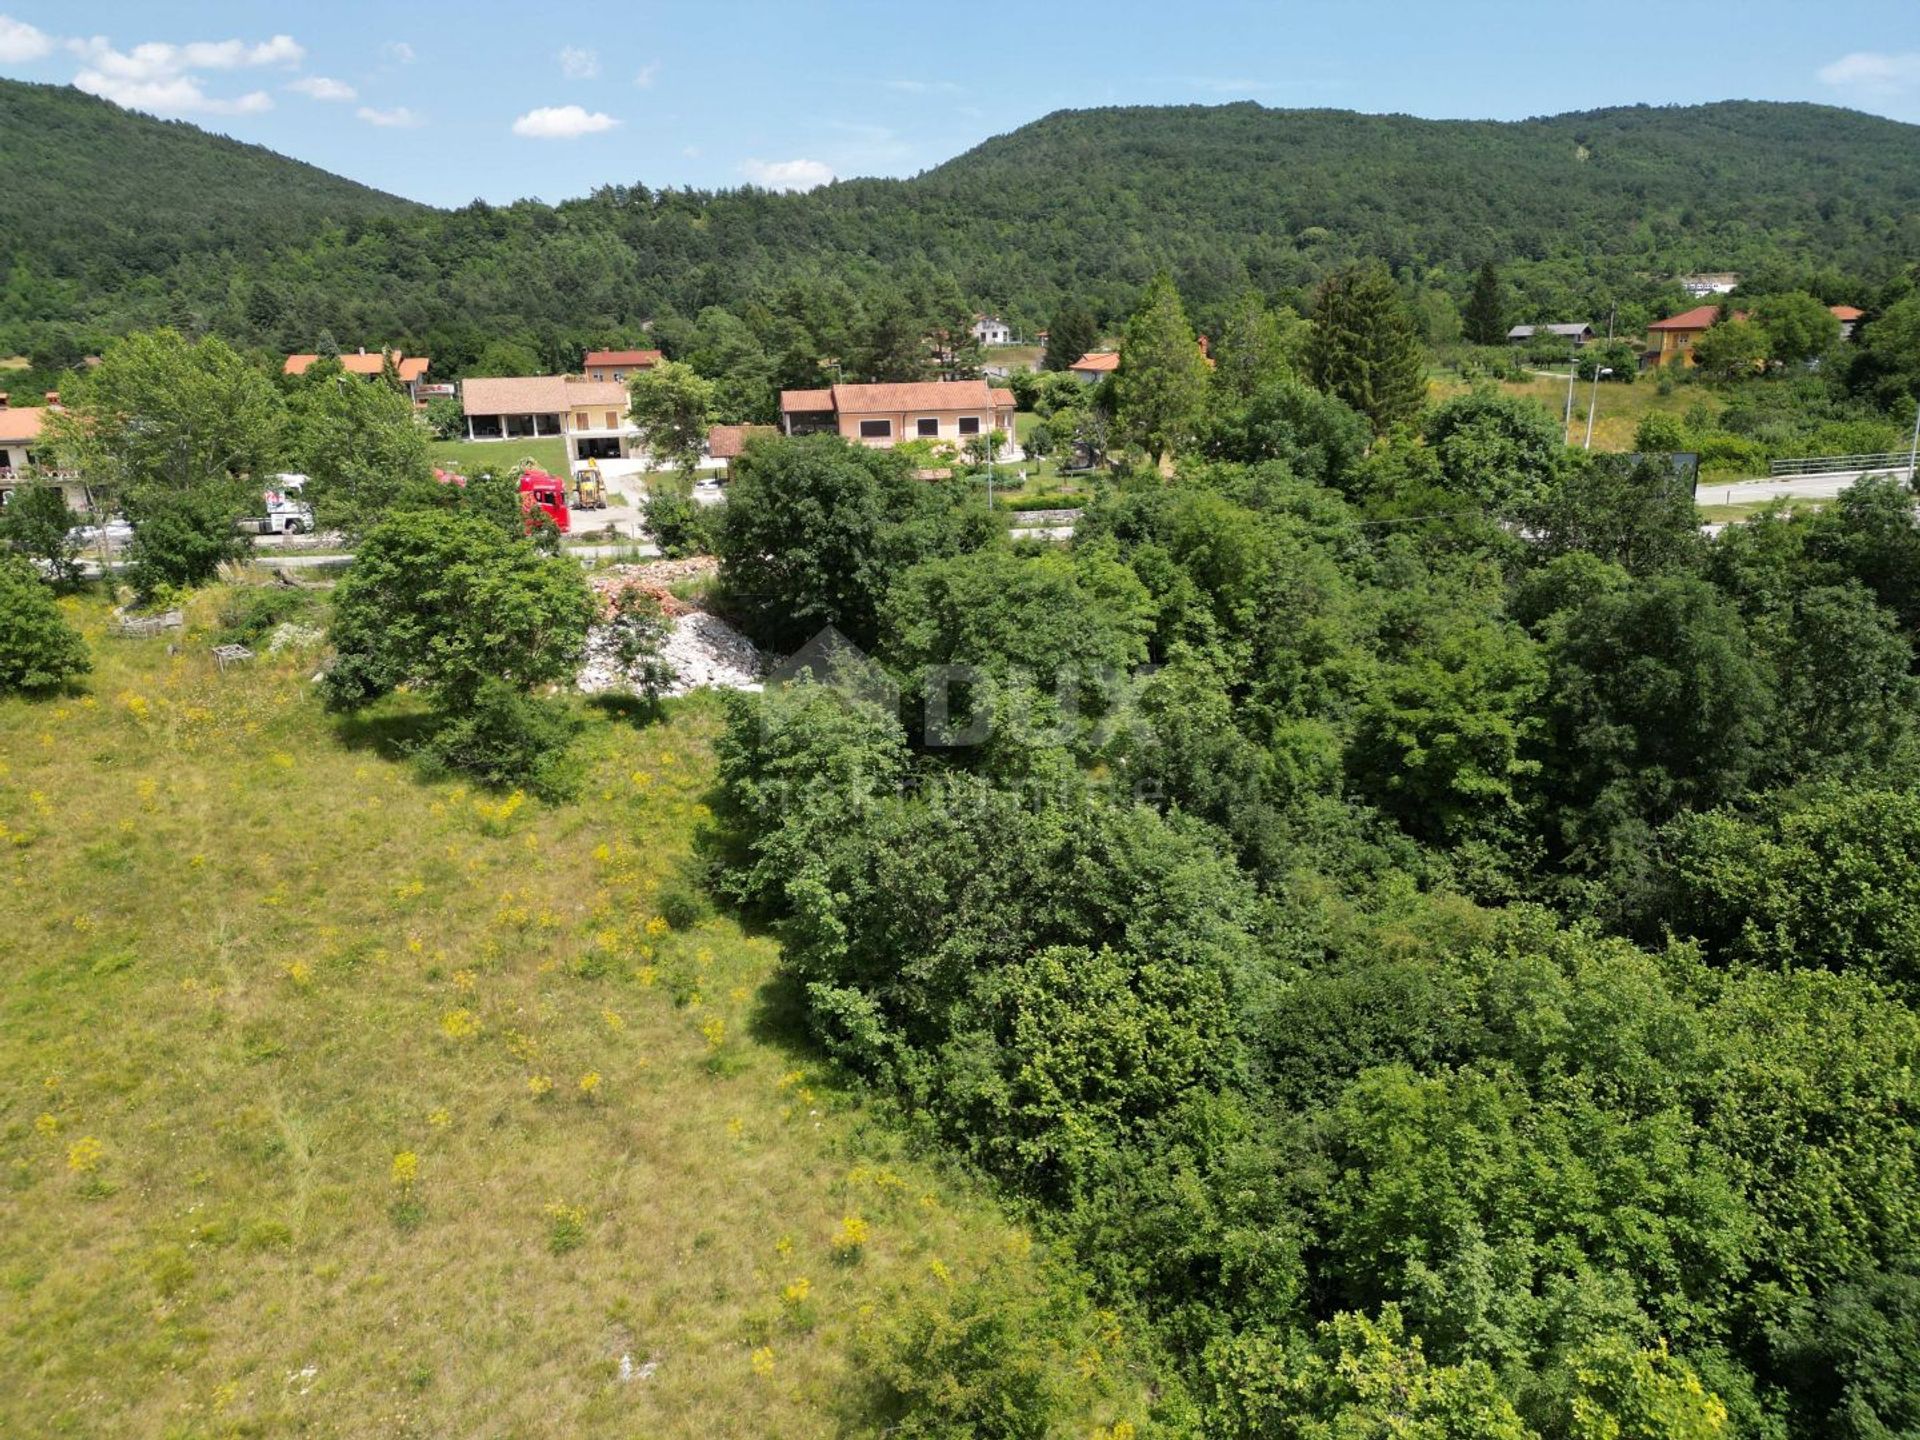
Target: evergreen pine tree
1073,333
1160,389
1486,321
1366,349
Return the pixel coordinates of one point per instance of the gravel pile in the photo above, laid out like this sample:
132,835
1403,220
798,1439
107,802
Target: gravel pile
701,649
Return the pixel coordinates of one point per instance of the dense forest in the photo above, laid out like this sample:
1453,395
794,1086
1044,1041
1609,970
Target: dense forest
1584,212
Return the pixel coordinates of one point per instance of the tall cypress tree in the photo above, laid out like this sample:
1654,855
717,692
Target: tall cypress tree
1366,348
1160,389
1485,316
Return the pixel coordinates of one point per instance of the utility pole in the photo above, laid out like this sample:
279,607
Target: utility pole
1913,451
1573,373
1593,401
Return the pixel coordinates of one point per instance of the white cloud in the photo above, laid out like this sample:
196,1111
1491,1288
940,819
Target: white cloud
398,118
562,122
20,42
787,174
579,64
160,77
925,87
643,79
1874,73
319,87
398,50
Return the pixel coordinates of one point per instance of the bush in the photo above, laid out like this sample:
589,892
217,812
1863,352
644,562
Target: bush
988,1360
180,537
38,649
35,524
679,524
445,418
503,737
253,613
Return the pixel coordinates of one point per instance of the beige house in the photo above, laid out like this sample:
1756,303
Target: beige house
883,416
23,452
590,414
19,432
618,365
412,369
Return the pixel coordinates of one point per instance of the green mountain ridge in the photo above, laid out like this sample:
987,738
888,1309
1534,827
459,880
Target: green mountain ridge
1582,211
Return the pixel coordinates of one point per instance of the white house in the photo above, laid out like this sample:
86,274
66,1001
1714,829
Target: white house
992,330
1720,282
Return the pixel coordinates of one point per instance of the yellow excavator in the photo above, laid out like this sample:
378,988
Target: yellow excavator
589,487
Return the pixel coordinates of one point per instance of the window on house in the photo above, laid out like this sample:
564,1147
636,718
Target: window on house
927,425
969,424
613,420
876,429
619,374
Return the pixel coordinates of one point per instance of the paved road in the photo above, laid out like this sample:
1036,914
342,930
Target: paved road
1792,487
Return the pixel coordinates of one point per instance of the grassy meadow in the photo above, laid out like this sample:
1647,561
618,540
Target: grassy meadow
341,1103
1618,413
470,457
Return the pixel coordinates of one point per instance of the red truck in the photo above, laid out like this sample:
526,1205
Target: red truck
542,492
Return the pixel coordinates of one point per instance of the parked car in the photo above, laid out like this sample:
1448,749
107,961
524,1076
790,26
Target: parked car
116,532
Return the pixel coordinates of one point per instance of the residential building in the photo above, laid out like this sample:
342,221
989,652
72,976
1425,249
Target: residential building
1849,316
882,416
1671,340
725,442
19,433
992,330
1577,335
617,365
1095,365
22,431
590,414
412,369
1719,282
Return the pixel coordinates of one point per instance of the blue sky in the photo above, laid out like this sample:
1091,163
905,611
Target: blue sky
499,101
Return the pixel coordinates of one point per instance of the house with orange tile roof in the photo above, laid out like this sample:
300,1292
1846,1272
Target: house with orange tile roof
591,415
726,442
412,369
1095,365
1848,316
1671,341
882,416
19,433
618,365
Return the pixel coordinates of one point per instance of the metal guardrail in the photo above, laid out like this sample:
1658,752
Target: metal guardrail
1839,464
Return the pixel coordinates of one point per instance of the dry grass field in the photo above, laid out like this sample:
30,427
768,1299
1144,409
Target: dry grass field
338,1103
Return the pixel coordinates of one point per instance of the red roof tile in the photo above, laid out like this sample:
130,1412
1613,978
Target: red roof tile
1001,398
641,358
1701,317
1097,361
411,368
805,402
1845,312
725,442
912,395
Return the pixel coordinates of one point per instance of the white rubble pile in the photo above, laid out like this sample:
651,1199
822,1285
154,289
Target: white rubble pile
702,649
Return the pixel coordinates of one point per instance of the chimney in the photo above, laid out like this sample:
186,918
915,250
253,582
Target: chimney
363,349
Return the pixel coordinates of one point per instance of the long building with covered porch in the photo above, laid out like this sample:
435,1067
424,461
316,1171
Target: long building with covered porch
591,415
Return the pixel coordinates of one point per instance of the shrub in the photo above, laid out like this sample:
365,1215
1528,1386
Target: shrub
988,1360
502,737
679,524
180,537
35,525
252,613
39,650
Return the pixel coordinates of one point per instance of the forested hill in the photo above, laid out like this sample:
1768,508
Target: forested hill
1582,211
91,189
1213,188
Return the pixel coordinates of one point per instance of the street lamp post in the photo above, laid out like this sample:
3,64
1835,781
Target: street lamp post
1593,402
